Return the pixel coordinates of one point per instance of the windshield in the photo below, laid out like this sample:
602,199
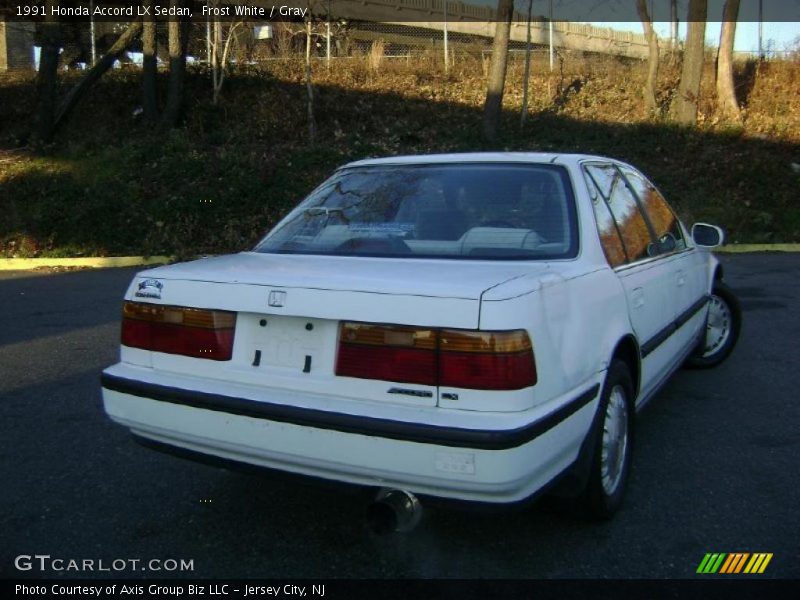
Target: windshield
472,211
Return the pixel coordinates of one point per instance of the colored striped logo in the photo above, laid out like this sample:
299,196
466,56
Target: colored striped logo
736,562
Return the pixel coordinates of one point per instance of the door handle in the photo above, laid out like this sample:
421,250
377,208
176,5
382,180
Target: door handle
681,278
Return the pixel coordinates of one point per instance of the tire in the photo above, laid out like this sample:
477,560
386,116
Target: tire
722,329
613,450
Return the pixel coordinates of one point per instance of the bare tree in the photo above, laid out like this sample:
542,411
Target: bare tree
50,113
104,64
492,109
726,92
649,89
220,50
177,68
149,67
47,77
684,105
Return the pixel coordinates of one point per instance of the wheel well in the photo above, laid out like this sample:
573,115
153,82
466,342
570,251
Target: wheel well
627,350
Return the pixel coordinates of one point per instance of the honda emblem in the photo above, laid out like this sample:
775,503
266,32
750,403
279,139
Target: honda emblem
277,298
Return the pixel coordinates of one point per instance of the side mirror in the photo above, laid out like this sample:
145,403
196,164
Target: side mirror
707,236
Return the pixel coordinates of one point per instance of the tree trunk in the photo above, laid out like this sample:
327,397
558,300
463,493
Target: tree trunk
497,70
47,78
219,58
177,69
726,92
104,64
217,73
684,105
649,89
149,68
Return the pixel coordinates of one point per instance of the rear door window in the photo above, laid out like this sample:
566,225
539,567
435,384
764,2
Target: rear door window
610,238
631,225
665,224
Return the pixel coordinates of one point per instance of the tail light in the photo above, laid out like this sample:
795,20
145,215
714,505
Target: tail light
480,360
486,360
194,332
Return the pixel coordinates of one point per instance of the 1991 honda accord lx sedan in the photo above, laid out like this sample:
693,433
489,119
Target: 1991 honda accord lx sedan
467,326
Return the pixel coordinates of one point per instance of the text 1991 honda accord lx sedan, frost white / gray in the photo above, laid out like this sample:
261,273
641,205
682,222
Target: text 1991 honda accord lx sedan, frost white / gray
467,326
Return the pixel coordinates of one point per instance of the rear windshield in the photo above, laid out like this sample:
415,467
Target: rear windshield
464,211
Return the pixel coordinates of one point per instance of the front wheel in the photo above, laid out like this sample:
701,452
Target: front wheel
722,329
611,459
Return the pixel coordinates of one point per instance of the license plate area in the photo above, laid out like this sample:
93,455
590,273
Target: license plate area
288,344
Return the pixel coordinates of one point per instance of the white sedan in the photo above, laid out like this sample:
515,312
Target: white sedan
477,327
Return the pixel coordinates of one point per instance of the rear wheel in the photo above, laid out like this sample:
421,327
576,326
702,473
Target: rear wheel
611,460
722,329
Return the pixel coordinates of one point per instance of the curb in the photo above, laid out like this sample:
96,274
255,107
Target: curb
736,248
95,262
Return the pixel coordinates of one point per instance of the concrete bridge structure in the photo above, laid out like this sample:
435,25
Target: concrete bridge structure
470,19
16,39
16,45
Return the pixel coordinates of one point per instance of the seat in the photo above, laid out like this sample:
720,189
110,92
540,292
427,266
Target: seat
441,224
552,223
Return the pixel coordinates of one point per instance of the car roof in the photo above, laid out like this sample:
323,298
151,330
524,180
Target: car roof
475,157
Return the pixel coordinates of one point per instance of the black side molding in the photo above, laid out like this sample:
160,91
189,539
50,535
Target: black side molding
422,433
662,336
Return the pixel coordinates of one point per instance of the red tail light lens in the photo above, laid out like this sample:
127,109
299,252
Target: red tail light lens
194,332
392,364
486,360
481,360
402,354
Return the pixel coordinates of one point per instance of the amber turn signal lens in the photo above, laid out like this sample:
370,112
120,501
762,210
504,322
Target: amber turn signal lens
453,340
388,335
179,315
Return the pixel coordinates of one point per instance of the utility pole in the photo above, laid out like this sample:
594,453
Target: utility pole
524,112
328,39
760,29
446,57
551,34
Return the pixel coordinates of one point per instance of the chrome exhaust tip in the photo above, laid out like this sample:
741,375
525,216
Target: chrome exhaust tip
394,511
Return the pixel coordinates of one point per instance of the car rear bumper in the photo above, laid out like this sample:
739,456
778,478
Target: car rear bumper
485,457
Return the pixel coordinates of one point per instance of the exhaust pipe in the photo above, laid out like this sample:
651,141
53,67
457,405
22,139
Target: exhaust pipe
394,511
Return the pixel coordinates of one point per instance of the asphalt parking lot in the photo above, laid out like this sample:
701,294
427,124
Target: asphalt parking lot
716,467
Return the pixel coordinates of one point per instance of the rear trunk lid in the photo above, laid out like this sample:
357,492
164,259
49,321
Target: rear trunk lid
443,293
290,306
